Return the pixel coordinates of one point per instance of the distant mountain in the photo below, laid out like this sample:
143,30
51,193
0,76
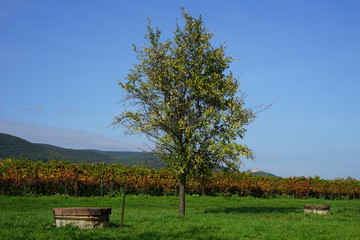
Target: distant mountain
258,172
15,147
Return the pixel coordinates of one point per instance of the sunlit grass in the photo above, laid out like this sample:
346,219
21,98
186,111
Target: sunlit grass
206,218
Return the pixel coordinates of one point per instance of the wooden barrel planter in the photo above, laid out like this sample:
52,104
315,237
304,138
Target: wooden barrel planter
317,208
82,217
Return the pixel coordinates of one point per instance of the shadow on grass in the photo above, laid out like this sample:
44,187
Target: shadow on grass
256,210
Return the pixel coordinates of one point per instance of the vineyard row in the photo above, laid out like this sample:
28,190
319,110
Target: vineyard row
22,177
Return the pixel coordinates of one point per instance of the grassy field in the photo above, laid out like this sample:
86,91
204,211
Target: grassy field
207,218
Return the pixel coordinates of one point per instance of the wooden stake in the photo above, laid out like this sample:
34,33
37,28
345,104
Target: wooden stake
123,208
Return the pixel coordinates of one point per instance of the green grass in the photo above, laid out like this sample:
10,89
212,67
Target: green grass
207,218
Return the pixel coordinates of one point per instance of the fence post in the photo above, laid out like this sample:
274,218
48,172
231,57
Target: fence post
76,184
123,208
36,180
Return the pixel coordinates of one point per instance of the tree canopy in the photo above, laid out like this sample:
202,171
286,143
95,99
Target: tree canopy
185,99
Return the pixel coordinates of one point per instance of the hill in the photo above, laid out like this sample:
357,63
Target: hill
15,147
133,158
77,156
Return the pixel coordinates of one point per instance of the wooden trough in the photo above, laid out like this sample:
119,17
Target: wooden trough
82,217
317,208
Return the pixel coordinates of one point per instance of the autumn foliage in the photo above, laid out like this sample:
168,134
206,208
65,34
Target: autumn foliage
22,177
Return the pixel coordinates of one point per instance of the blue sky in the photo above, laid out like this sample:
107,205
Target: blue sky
60,61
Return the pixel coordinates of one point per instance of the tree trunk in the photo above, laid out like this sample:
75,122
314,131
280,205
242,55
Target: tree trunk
182,195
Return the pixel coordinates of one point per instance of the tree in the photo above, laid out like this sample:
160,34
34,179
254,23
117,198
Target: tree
187,102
